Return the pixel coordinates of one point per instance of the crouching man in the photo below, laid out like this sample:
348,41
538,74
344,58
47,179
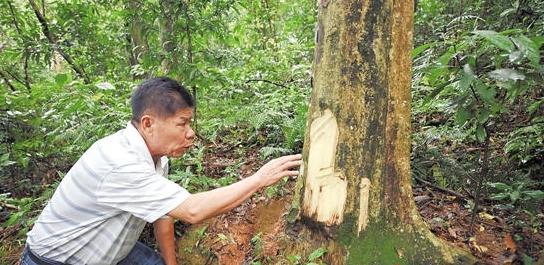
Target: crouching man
102,204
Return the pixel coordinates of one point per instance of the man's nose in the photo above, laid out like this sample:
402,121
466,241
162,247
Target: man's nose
190,134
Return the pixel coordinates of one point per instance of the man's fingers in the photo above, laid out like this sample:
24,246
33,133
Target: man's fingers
288,158
288,173
294,157
292,173
291,164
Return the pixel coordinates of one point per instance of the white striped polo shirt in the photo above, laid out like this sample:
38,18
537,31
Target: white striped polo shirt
102,204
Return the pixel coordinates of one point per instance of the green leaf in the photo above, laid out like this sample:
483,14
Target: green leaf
535,106
538,40
14,218
486,93
480,134
61,79
507,12
467,78
514,196
506,74
483,115
445,58
529,49
499,196
527,260
295,259
418,50
4,160
500,186
535,194
497,39
317,254
462,116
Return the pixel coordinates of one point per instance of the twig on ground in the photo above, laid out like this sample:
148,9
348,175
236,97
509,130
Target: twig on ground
454,193
9,206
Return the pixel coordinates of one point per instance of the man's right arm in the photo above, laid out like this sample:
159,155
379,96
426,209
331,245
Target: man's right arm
203,205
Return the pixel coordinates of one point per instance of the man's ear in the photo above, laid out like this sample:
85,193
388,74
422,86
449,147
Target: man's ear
146,123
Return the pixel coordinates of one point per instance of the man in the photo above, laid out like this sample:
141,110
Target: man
102,204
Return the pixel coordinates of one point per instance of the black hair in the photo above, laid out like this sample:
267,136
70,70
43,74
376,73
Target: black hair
162,96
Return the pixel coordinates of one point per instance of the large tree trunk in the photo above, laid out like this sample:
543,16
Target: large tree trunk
355,192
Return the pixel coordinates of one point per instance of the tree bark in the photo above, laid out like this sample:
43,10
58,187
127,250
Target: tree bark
52,41
355,196
137,32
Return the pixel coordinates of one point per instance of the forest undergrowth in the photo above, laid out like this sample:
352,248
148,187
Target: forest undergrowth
477,112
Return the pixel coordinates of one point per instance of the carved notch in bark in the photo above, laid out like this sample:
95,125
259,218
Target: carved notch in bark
326,188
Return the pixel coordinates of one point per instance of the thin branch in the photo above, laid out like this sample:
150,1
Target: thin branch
25,68
6,80
483,176
12,75
188,32
9,206
266,81
25,65
49,35
454,193
14,18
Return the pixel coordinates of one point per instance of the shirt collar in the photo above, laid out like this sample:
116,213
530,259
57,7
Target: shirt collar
136,140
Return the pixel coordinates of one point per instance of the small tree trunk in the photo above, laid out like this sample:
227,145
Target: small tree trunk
168,19
355,195
26,51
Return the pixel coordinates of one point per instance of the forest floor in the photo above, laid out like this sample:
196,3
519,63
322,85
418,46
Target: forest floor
248,234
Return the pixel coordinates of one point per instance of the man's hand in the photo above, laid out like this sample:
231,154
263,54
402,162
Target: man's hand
278,168
203,205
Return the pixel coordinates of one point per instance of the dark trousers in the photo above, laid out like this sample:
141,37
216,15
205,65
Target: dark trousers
139,255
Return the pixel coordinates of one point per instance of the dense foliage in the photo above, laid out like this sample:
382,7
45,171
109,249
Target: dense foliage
67,69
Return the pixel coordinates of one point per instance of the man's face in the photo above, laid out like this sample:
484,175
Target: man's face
172,136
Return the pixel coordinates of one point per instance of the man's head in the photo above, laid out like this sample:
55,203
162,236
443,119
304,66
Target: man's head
161,111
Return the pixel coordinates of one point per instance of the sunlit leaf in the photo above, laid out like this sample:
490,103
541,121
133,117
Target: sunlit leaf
500,186
506,74
105,86
466,79
529,49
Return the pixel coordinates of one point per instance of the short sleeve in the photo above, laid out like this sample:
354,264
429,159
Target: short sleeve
142,192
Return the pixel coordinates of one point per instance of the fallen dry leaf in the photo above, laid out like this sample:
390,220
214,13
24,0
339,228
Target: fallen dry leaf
452,232
510,243
487,216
